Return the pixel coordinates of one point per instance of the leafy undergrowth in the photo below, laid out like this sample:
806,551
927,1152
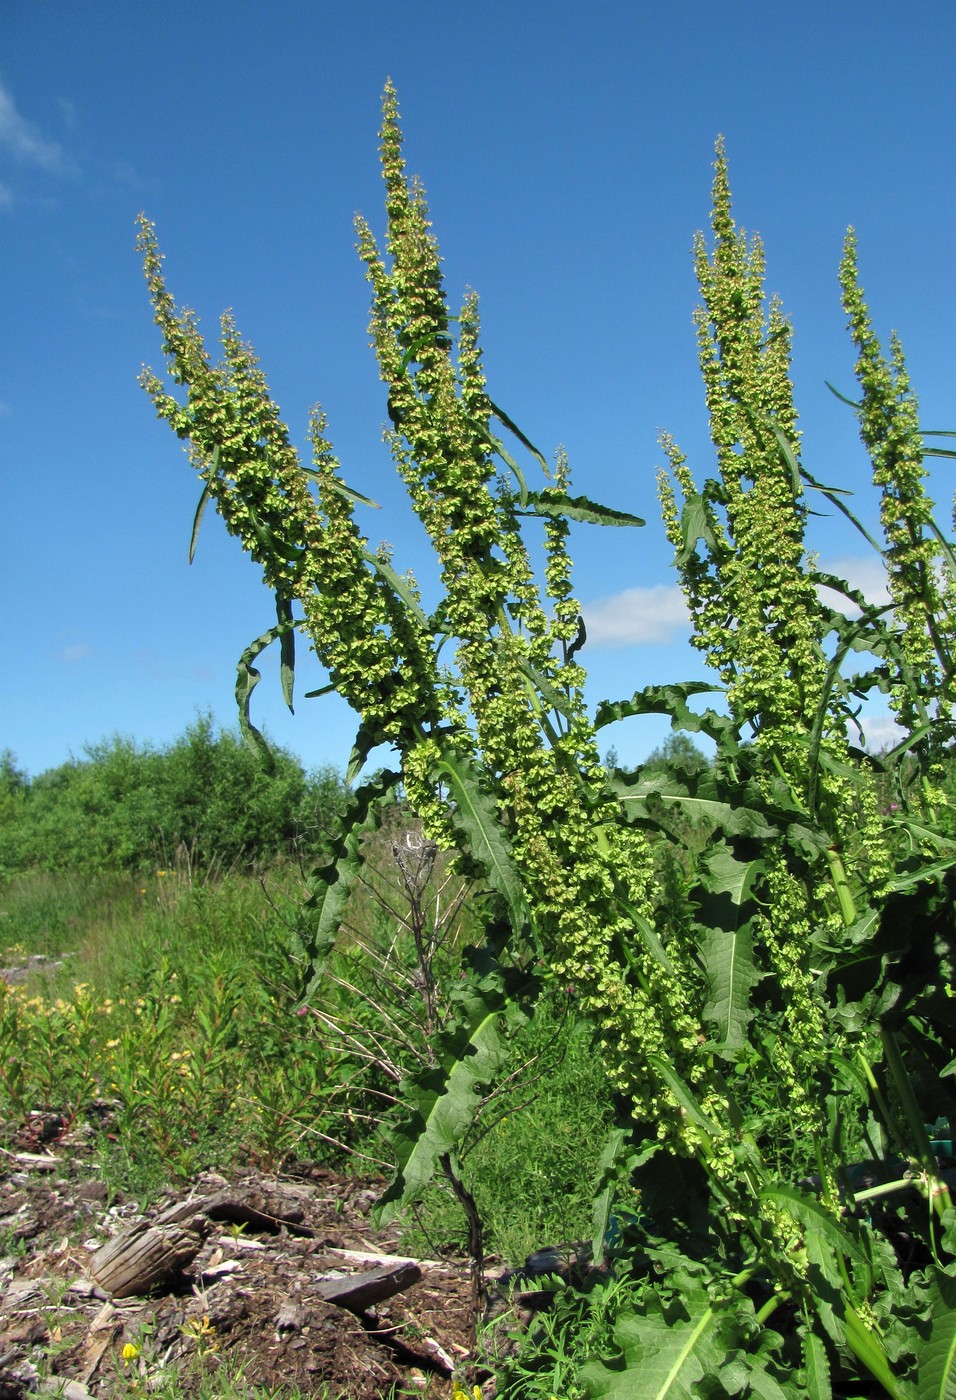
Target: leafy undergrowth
164,1014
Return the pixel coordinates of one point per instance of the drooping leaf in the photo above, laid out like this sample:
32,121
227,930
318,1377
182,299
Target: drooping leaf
204,500
286,647
671,700
833,494
247,678
506,422
369,736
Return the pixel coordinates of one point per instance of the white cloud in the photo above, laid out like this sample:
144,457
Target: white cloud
880,731
636,617
25,142
76,652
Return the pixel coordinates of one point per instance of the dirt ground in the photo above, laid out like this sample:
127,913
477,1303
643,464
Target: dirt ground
252,1295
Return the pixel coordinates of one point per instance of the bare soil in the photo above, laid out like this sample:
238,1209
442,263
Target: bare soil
250,1297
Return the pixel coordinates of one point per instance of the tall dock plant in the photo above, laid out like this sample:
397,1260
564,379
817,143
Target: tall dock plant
761,1029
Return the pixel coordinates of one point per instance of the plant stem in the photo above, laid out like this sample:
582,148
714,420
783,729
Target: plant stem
937,1190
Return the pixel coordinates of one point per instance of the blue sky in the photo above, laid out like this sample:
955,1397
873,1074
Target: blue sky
566,149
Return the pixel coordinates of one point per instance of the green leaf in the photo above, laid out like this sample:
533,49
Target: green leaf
398,585
476,816
247,678
672,700
851,403
286,647
695,526
577,508
833,494
665,1354
554,698
612,1165
204,500
726,944
332,881
683,1095
816,1367
506,422
368,737
349,492
633,791
827,1243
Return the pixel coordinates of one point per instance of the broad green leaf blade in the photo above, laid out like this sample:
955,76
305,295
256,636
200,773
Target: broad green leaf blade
937,1363
663,1357
725,912
204,500
694,526
638,793
577,508
331,884
476,815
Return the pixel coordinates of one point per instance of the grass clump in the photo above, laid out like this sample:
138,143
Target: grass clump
172,1028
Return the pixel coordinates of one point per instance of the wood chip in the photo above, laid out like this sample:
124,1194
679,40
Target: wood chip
362,1291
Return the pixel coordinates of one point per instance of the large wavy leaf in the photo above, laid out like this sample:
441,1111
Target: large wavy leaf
248,677
639,792
937,1364
664,1354
726,911
671,700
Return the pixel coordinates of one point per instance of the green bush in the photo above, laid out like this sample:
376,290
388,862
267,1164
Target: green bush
205,800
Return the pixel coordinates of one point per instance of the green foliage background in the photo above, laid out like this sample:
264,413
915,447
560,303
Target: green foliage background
205,798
